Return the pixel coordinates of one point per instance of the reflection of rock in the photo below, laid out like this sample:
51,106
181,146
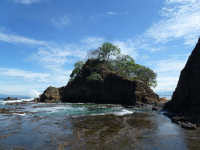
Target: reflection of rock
186,97
9,98
112,89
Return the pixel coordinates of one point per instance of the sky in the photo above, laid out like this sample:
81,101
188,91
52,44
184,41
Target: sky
40,40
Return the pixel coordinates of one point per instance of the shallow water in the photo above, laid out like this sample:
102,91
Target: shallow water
91,126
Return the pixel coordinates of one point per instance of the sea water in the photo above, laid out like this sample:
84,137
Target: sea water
72,109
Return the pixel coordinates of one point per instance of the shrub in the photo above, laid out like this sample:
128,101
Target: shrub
94,77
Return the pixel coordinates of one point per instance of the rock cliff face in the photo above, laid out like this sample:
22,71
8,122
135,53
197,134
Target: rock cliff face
186,97
110,88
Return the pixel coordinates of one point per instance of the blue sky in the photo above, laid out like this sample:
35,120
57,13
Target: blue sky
40,40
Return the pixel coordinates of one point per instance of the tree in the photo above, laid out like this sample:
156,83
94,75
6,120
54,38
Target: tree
77,67
125,66
146,75
105,52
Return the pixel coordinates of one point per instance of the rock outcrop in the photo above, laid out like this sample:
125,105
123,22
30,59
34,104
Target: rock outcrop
9,98
50,95
108,88
186,97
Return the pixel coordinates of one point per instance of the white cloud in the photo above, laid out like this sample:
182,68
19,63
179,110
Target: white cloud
168,72
169,65
180,1
179,21
93,42
62,21
98,17
111,13
39,77
11,38
27,2
145,57
127,48
55,57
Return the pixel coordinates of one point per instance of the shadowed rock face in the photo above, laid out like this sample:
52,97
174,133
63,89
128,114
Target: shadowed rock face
111,89
186,97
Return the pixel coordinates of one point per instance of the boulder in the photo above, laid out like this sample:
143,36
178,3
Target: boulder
188,125
176,119
9,99
109,88
50,95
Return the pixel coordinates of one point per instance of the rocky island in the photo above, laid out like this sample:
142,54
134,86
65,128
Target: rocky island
109,88
9,99
102,80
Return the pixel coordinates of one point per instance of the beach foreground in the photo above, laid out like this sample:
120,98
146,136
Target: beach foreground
89,126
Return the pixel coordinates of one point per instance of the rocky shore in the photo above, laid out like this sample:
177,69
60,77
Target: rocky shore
144,129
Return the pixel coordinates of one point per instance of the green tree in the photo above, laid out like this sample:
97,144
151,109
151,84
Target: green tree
146,75
105,52
125,66
77,67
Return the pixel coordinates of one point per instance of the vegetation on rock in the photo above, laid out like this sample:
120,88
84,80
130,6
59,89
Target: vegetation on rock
94,77
123,65
77,67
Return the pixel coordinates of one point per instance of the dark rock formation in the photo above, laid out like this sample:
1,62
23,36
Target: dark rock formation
50,95
110,89
186,97
9,98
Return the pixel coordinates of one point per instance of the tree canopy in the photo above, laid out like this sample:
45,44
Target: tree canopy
105,51
77,67
123,65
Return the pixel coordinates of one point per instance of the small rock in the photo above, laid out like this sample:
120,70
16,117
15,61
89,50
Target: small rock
154,109
3,111
176,119
188,126
138,105
9,98
179,123
128,106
